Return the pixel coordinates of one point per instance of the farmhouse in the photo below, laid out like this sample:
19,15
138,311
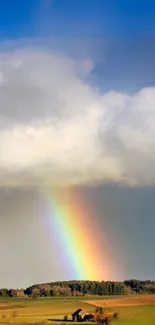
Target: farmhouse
79,315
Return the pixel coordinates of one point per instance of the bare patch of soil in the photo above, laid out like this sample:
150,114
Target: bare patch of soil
124,301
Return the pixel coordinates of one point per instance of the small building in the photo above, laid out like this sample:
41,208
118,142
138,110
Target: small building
79,315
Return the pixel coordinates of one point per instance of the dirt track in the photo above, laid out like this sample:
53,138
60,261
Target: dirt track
124,301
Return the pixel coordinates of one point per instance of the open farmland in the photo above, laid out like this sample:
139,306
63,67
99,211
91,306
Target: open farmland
46,309
135,310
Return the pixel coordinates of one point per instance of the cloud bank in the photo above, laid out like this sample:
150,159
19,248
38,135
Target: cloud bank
57,129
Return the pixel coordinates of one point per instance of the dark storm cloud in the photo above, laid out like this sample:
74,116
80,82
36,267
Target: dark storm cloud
31,250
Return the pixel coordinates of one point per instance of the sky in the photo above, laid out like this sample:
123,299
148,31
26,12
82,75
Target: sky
77,93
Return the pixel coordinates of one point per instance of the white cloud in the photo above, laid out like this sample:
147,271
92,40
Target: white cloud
57,129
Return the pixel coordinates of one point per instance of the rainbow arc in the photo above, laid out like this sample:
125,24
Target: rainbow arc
79,235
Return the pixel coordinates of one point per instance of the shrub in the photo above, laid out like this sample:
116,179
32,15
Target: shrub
115,315
107,321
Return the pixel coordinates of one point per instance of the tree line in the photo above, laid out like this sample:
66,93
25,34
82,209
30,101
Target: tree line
81,288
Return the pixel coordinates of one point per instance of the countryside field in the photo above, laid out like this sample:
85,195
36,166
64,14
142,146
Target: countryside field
135,310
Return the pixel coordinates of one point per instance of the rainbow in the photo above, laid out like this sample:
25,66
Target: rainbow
81,240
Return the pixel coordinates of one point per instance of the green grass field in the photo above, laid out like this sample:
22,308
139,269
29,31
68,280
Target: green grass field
54,309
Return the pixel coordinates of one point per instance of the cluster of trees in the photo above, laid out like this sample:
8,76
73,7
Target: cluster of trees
8,293
80,288
103,318
137,286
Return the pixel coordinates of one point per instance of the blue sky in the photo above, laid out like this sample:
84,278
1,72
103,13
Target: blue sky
121,34
78,17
